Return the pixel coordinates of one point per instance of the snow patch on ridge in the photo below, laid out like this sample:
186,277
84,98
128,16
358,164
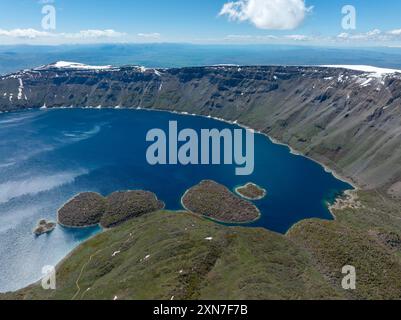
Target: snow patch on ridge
21,89
371,75
367,69
73,65
143,69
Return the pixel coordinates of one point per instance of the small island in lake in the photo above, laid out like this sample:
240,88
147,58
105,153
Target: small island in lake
123,206
90,209
44,227
251,191
84,210
217,202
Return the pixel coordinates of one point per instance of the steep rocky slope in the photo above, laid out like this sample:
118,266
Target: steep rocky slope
349,120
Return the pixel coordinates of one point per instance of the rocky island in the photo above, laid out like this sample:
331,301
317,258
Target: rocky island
217,202
90,209
123,206
251,191
44,227
84,210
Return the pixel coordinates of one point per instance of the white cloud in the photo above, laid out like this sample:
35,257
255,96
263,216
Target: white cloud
343,35
374,32
154,35
374,36
267,14
245,37
87,34
396,32
33,35
24,33
298,37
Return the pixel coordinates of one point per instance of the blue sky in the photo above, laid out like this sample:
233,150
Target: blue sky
201,21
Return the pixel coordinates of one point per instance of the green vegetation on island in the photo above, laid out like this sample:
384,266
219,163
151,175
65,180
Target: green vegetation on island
84,210
89,209
122,206
251,191
217,202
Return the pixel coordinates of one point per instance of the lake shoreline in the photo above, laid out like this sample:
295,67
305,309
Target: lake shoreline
293,151
274,141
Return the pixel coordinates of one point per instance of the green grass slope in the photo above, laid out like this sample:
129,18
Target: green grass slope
176,254
165,255
332,246
367,237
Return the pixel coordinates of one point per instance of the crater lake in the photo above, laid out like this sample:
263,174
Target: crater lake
49,156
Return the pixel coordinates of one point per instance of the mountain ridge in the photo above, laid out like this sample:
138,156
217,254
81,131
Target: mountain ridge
348,120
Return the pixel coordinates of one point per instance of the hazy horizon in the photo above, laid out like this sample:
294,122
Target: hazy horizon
18,57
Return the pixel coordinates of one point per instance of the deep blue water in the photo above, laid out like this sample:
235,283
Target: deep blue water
49,156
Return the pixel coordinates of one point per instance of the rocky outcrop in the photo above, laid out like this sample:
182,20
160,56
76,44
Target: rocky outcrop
349,120
44,227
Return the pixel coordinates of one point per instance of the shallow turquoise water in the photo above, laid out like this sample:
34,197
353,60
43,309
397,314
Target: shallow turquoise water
49,156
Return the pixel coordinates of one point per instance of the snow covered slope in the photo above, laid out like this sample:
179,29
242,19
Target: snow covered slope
72,65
